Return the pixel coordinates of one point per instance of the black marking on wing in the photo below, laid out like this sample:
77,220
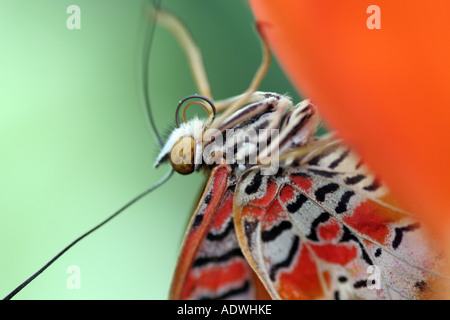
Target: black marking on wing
249,230
355,179
374,186
201,261
295,163
378,252
272,234
197,221
315,160
297,204
345,199
360,284
255,184
336,162
421,285
364,255
232,292
235,148
208,198
400,231
349,236
323,191
286,262
323,173
279,173
323,217
337,295
220,236
301,174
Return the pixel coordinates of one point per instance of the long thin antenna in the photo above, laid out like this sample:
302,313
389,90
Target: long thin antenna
115,214
144,69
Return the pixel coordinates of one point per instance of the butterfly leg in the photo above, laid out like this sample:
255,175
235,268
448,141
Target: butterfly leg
187,42
193,53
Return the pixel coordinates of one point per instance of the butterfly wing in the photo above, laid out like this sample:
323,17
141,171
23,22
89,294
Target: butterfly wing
329,230
211,264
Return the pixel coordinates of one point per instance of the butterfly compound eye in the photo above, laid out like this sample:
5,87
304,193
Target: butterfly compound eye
182,155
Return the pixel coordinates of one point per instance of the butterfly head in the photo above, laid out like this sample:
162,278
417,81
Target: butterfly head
183,148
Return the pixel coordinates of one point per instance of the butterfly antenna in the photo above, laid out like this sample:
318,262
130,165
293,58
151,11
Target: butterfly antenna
115,214
150,30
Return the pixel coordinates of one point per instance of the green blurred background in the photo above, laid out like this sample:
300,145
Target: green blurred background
75,144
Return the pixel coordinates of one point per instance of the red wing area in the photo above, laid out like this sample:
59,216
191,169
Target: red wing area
211,264
317,233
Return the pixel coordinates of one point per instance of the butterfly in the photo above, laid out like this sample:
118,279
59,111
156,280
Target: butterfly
320,226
